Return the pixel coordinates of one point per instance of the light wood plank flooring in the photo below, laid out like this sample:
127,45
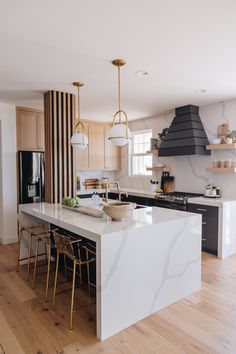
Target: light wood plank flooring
203,323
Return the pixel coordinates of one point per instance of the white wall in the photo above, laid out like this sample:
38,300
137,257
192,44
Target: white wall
8,181
189,172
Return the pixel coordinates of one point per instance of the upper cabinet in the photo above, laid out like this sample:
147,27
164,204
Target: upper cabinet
112,153
30,129
96,147
100,154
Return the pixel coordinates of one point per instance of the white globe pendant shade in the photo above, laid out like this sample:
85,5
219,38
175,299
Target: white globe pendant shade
79,141
120,134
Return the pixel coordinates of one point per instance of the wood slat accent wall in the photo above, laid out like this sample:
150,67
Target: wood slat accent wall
59,108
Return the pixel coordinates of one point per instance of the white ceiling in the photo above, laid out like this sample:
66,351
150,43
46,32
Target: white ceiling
184,45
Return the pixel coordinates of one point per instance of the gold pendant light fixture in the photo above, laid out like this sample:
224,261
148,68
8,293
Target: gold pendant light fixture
119,133
79,140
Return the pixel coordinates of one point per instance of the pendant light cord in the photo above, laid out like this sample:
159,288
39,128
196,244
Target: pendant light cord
78,106
79,120
119,104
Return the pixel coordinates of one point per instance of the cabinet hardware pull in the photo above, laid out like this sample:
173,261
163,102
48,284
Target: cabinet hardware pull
204,222
204,239
199,209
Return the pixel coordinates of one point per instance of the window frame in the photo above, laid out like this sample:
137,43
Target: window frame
131,154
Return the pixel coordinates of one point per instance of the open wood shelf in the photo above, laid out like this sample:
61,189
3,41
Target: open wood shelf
221,169
158,169
221,146
152,151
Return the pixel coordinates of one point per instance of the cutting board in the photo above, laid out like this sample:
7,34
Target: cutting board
86,210
223,130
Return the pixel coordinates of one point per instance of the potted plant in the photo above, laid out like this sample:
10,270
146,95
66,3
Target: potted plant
163,133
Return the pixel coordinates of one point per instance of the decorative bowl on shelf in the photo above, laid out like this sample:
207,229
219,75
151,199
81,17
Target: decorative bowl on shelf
215,141
118,210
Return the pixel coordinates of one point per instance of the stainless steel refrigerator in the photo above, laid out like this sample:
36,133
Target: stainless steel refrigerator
31,177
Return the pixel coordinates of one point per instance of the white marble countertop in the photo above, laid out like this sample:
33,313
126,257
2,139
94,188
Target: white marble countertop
138,192
218,202
94,228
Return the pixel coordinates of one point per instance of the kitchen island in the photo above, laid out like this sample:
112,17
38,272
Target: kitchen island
144,263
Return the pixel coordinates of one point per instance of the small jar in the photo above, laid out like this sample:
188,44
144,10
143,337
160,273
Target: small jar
215,163
228,163
153,187
221,163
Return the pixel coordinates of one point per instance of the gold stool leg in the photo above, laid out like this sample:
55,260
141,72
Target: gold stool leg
29,255
65,265
55,283
35,262
48,271
72,296
80,276
45,251
18,257
88,274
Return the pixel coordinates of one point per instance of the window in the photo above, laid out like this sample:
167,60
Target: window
139,159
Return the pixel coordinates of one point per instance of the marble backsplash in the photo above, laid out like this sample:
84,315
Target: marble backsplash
189,171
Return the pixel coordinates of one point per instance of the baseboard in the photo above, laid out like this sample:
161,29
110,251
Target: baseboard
8,240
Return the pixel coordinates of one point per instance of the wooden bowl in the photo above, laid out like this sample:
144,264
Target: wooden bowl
118,210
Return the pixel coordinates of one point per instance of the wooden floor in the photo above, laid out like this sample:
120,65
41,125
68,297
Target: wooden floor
202,323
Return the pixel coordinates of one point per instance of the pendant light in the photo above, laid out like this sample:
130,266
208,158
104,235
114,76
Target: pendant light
119,133
79,140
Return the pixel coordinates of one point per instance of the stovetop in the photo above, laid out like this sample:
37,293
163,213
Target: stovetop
176,197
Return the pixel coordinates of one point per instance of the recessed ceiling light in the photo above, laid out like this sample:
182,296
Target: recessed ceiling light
200,91
141,73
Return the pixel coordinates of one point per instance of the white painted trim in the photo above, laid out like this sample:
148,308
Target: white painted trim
8,240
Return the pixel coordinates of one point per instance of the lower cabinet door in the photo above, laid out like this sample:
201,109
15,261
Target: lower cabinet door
209,242
209,226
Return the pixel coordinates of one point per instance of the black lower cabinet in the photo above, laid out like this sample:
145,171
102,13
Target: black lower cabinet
133,199
89,195
209,226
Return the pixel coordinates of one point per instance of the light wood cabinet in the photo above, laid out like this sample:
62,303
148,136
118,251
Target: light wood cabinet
30,129
111,153
96,147
100,153
40,131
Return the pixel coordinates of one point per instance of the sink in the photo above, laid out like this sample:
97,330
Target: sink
118,210
140,206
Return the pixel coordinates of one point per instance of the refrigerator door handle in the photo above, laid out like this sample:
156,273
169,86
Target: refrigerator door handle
42,181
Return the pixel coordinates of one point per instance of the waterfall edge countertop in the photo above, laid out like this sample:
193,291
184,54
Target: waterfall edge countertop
94,228
144,263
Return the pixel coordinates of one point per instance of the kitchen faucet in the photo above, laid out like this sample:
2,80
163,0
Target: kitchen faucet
107,187
122,192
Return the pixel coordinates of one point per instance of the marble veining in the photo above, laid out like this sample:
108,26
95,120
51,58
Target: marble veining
167,275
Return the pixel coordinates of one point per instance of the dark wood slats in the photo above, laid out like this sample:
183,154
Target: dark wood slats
59,110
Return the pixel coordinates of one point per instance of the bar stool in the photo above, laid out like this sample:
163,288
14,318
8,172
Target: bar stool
90,252
48,246
33,231
65,246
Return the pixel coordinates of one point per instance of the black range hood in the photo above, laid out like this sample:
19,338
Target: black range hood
186,135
